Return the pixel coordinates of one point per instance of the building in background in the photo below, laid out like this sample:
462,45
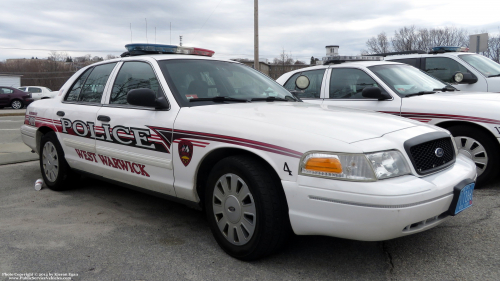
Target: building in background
10,80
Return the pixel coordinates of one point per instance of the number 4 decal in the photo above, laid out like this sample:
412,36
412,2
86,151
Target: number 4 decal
286,169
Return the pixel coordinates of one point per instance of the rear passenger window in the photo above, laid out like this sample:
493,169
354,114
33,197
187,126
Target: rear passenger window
443,68
133,75
412,62
314,89
34,90
90,86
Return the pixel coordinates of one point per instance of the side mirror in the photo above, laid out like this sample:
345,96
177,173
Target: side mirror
464,78
375,93
302,82
146,97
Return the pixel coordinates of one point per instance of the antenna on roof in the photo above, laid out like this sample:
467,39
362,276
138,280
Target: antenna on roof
155,34
146,30
130,32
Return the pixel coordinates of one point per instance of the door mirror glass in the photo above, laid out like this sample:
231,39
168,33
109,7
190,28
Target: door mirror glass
302,82
141,97
375,93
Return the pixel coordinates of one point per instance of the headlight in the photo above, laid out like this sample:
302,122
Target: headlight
388,164
355,167
337,165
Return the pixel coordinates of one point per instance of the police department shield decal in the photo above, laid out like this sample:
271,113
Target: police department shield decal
185,151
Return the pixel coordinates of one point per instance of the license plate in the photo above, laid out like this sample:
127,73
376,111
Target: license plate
465,198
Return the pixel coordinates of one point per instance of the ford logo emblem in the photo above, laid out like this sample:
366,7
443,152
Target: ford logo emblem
439,152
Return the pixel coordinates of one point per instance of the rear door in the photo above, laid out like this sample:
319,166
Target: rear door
75,117
313,93
136,145
36,92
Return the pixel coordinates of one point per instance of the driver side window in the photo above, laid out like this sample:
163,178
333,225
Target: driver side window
348,83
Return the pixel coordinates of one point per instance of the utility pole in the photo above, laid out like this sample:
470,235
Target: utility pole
180,40
256,35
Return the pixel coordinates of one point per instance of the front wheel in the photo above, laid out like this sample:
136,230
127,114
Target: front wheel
16,104
481,148
56,172
246,208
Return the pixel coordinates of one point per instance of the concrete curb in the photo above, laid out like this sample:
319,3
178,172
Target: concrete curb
13,114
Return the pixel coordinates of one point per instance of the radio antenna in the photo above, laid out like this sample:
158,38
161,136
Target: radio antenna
130,32
146,30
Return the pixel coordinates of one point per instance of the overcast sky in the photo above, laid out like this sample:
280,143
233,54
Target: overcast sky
302,28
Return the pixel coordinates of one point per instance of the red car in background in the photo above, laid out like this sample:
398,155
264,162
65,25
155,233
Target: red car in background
14,98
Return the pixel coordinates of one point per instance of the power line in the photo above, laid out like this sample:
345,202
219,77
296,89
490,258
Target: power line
207,19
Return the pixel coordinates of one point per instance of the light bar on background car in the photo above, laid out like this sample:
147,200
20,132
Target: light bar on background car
352,58
449,49
146,48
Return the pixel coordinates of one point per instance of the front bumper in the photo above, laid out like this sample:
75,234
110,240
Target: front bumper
374,211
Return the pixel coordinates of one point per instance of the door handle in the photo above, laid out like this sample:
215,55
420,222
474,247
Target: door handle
103,118
60,113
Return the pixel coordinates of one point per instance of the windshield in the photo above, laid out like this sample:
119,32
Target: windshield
483,64
212,82
406,80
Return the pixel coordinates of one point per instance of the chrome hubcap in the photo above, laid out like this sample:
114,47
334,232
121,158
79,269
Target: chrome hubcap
50,161
474,150
16,104
234,209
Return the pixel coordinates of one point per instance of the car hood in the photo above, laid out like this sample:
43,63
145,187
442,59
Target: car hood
344,124
460,97
458,104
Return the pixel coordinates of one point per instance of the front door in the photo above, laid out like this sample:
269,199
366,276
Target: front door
135,144
344,87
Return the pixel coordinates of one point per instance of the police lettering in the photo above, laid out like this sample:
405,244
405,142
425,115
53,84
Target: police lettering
137,137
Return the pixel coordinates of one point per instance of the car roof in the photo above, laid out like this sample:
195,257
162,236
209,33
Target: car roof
446,54
347,64
160,57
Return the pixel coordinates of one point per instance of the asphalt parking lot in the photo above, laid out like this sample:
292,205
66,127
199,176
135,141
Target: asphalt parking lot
99,231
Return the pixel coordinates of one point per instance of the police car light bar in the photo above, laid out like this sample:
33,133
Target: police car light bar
341,59
442,49
146,48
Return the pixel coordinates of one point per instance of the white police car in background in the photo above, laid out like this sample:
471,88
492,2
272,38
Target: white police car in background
403,90
466,71
221,136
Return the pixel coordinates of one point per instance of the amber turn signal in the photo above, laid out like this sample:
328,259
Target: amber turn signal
324,164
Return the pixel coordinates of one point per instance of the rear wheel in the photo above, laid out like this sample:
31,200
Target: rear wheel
56,172
246,208
481,148
16,104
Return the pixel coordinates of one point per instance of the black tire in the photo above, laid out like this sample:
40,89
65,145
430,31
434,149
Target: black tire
14,104
64,177
272,224
1,107
491,146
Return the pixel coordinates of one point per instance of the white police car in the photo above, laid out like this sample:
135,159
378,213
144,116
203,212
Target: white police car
403,90
221,136
476,73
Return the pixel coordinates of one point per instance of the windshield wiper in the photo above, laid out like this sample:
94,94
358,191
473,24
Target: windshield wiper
495,75
220,99
446,88
269,99
420,94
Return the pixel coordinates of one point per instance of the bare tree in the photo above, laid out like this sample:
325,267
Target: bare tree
379,44
410,38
